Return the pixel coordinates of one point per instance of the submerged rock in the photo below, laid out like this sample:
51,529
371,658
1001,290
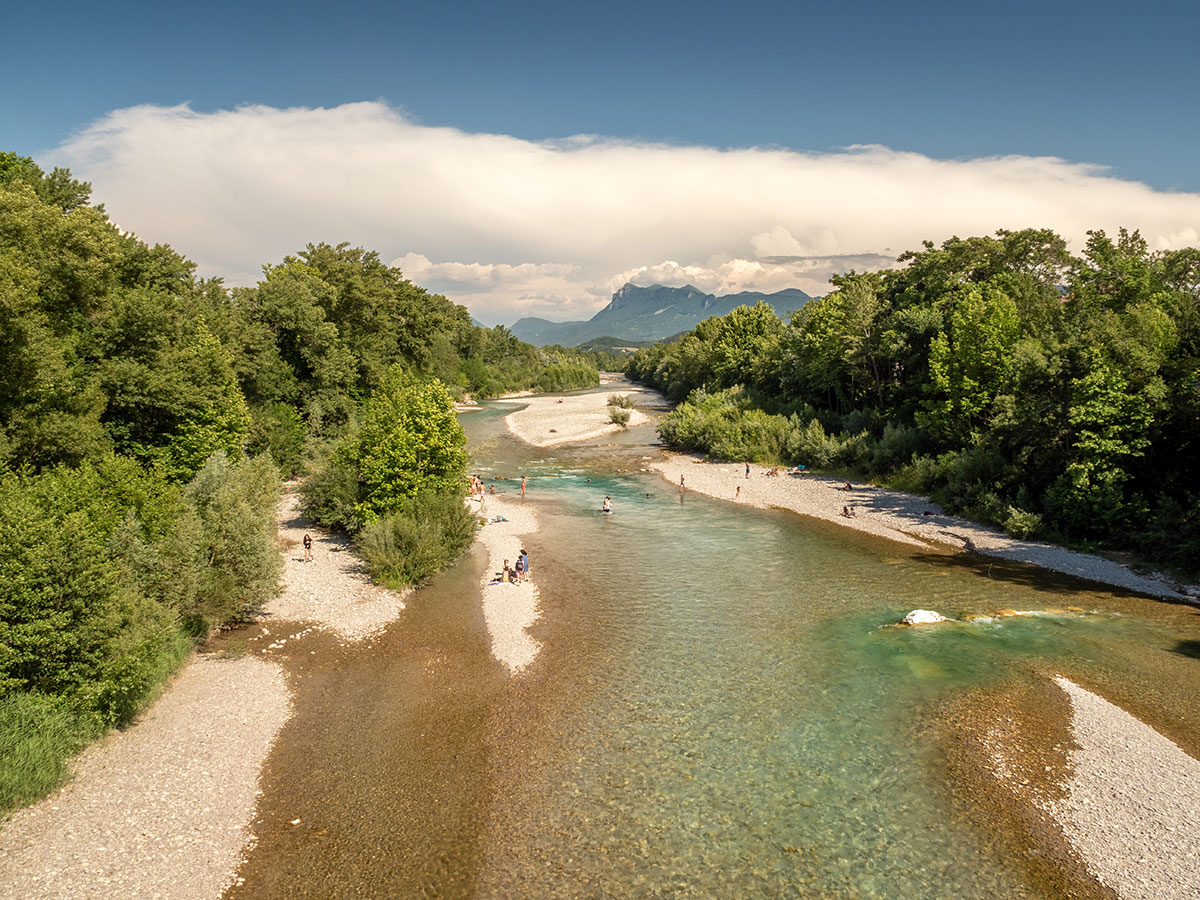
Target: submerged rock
923,617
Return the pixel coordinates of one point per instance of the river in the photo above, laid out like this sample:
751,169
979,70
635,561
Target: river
720,709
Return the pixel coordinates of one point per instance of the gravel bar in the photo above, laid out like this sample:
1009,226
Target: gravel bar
160,810
1132,809
333,591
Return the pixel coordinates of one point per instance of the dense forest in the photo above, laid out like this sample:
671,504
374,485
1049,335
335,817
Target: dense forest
1057,396
146,419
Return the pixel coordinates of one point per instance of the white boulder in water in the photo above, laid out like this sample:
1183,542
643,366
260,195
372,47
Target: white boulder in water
923,617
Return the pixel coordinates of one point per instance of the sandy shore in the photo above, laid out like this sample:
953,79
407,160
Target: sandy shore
1130,810
161,809
550,420
897,516
334,591
508,609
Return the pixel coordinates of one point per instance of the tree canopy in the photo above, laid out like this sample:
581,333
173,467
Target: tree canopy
1017,382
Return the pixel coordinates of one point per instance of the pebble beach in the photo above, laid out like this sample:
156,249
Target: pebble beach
1132,802
900,517
547,421
508,609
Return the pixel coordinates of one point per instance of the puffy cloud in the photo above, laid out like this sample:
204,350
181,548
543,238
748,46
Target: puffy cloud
500,292
764,273
514,227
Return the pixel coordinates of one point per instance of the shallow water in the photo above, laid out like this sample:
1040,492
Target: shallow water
721,708
730,715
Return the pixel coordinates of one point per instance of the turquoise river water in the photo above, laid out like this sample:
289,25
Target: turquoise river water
721,711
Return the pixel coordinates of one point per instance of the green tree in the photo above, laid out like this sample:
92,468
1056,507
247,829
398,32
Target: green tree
409,441
971,361
1111,429
744,347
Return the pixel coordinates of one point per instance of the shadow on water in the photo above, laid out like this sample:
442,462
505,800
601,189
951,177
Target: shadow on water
1187,648
1018,574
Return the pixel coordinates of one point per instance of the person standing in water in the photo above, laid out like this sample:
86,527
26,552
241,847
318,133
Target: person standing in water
607,507
738,494
522,485
681,487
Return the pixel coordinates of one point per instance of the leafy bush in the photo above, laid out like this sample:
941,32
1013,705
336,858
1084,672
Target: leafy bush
811,445
896,448
236,509
621,401
1021,524
567,376
110,574
330,494
420,537
618,416
279,429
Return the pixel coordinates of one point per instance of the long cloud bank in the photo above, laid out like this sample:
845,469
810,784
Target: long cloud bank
514,227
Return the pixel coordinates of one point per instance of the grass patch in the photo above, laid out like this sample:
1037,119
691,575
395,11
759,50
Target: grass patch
38,737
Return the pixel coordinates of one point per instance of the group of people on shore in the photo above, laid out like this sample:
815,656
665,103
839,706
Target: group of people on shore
517,573
476,489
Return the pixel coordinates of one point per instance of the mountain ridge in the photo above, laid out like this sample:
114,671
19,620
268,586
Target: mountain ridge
650,313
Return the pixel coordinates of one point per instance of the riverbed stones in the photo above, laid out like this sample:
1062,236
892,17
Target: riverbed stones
160,809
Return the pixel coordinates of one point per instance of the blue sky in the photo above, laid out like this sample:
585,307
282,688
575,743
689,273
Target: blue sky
1101,83
1106,83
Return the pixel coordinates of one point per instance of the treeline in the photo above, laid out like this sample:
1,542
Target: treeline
146,416
1055,395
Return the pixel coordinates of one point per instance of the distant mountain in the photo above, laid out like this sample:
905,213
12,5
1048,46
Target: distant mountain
651,313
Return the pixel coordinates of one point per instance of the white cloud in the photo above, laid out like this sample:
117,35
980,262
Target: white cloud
514,227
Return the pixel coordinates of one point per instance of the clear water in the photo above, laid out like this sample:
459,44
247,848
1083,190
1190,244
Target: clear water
721,710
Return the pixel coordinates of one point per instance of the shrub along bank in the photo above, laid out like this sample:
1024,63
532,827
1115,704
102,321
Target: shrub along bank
110,573
397,481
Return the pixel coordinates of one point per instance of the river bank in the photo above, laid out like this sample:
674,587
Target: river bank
166,806
333,591
900,517
160,809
